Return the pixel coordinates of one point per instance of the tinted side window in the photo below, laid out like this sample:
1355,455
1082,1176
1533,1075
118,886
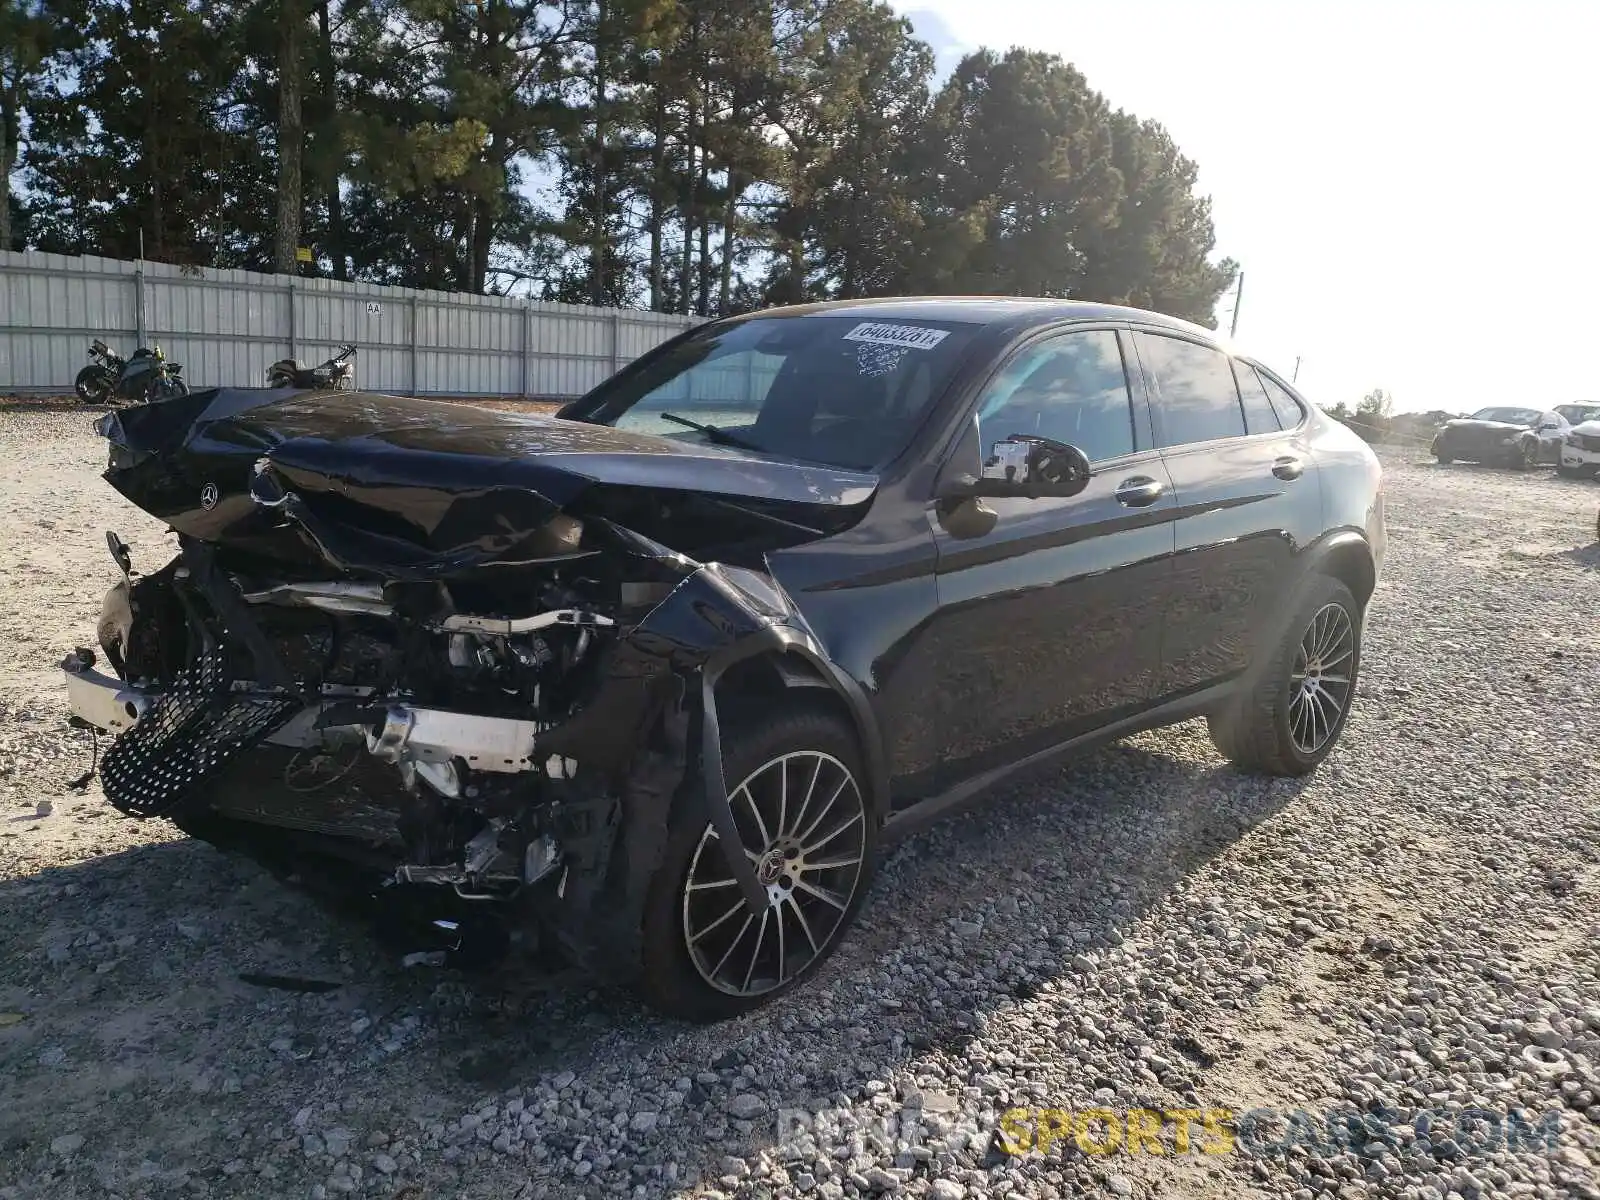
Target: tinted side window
1072,389
1286,406
1196,398
1259,416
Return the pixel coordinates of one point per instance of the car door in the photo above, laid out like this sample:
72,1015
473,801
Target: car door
1247,498
1049,622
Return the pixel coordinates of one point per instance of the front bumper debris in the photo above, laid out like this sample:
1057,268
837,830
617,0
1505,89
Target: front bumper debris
99,700
189,735
428,735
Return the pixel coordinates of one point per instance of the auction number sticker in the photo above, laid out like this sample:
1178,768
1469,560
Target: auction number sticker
879,334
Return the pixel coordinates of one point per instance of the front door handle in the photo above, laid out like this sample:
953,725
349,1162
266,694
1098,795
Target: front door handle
1139,491
1288,467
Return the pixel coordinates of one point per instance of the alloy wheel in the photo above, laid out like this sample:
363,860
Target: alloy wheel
803,823
1321,682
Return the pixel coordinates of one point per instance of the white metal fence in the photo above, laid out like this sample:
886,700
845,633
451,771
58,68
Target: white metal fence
226,327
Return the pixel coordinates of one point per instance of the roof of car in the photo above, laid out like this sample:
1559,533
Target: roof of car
985,310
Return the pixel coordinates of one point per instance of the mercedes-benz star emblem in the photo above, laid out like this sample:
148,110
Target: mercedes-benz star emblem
208,496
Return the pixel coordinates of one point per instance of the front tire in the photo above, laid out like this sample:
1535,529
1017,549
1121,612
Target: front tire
1291,717
800,801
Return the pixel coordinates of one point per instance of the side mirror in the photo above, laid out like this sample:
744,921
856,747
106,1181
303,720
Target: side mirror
1026,466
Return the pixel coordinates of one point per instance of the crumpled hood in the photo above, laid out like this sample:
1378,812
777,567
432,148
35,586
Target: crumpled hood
1470,425
419,481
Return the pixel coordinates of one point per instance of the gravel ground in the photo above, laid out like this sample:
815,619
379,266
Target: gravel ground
1413,930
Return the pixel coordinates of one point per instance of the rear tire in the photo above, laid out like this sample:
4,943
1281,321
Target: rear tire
800,800
91,386
1444,459
1290,717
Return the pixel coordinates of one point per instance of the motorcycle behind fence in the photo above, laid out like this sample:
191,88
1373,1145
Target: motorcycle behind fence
337,373
144,377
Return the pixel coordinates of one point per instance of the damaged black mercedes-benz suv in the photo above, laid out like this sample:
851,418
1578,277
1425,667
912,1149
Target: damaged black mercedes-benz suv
655,677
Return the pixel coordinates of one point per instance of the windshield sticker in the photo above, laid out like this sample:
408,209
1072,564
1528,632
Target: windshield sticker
874,361
879,334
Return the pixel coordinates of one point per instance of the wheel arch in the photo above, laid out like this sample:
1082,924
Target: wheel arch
1346,556
792,669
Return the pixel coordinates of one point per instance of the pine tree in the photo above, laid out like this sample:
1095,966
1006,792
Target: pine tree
153,163
27,39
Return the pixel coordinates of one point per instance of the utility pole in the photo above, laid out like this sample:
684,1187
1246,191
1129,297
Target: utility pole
1238,299
1295,378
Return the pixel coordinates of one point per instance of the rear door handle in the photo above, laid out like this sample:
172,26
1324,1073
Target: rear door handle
1139,491
1288,467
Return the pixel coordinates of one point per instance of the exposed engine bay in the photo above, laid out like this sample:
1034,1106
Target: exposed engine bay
451,704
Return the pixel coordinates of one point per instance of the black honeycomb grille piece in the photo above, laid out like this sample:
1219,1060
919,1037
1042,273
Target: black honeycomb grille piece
194,730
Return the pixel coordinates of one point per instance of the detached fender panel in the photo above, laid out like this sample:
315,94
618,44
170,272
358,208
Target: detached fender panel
662,677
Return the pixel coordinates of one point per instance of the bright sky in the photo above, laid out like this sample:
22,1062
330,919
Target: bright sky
1408,185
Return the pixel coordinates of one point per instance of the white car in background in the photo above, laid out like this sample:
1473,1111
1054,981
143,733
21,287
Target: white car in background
1580,450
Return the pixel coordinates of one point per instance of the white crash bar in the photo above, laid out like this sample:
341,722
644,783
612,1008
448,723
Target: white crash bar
104,702
432,735
426,735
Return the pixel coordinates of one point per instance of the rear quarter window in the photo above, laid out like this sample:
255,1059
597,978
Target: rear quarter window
1290,411
1259,414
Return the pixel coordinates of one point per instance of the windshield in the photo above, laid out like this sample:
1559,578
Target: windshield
1577,414
1508,416
828,389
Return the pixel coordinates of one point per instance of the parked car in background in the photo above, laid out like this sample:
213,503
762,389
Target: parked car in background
1580,452
659,675
1503,435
